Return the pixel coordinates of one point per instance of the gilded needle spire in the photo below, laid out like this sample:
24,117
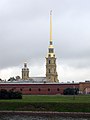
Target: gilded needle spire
51,73
50,27
51,48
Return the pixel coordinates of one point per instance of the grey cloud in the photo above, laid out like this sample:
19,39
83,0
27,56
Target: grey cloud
24,31
77,63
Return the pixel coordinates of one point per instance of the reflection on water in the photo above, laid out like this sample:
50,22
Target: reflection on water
27,117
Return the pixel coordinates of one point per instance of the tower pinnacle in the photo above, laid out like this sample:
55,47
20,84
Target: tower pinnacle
51,27
51,48
51,73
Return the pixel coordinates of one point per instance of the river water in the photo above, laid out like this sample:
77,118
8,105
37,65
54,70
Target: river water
28,117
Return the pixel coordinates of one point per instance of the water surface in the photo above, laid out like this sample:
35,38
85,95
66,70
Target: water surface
28,117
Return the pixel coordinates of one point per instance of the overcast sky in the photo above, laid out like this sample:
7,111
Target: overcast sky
24,37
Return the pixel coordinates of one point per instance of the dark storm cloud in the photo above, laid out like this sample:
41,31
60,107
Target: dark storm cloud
24,31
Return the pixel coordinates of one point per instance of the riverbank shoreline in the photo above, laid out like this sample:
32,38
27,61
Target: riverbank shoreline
49,113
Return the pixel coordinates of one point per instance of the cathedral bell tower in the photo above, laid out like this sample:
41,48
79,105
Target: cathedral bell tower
51,73
25,72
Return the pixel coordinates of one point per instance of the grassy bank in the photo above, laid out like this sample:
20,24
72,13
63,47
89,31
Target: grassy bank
48,103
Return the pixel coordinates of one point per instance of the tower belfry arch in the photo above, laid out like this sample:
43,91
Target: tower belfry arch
51,73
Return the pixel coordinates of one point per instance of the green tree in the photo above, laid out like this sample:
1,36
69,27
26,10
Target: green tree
71,91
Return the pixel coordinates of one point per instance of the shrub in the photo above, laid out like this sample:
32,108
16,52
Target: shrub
71,91
4,94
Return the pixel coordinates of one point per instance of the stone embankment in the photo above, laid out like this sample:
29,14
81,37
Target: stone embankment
45,113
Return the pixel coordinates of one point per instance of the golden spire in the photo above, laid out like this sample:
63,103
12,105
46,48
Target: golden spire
50,26
51,48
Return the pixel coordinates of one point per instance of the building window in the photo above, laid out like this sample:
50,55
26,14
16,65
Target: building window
49,61
58,89
48,89
39,89
54,80
51,50
21,89
29,89
49,70
49,55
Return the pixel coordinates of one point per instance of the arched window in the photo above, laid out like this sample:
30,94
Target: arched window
39,89
54,70
49,55
49,61
21,89
54,79
58,89
49,70
29,89
51,50
48,89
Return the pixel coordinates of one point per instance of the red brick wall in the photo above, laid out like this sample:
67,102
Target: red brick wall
38,89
